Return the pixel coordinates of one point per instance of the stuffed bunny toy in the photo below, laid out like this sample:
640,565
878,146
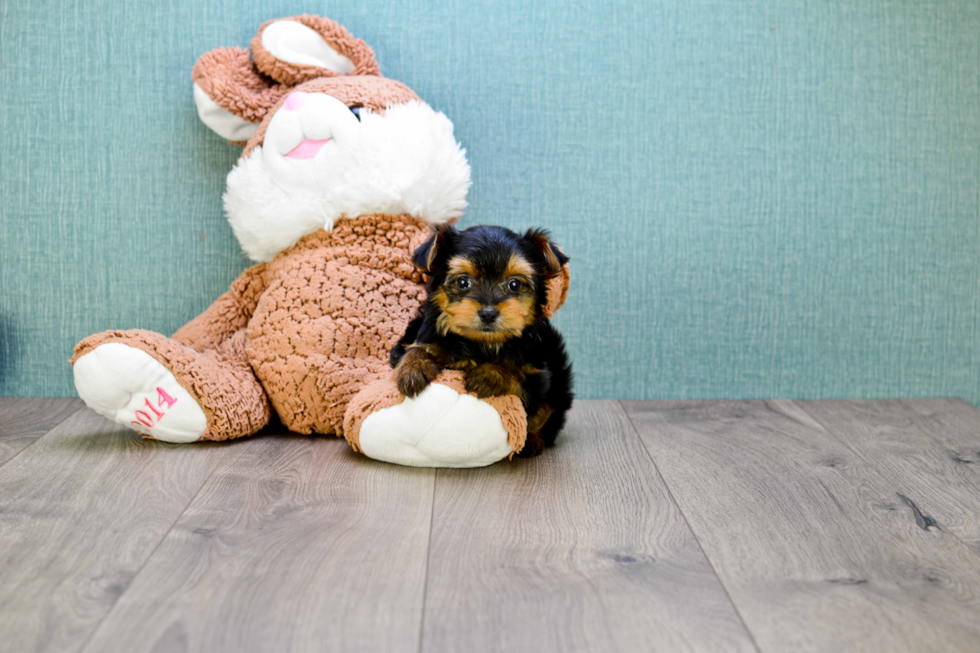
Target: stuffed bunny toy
343,174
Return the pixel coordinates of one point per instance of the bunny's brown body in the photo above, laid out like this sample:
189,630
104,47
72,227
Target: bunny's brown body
304,332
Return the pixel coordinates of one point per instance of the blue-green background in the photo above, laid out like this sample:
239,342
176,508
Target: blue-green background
760,198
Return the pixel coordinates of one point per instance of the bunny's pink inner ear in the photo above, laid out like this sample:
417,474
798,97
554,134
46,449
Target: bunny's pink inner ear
232,96
300,48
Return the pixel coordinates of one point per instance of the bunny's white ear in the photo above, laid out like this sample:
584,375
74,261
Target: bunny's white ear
297,49
224,123
295,43
231,95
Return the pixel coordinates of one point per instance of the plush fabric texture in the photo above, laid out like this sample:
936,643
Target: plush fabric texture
131,387
221,121
253,85
384,393
406,161
231,79
338,38
375,93
227,315
305,332
219,379
397,156
336,303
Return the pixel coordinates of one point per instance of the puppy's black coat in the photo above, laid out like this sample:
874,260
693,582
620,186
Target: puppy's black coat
484,315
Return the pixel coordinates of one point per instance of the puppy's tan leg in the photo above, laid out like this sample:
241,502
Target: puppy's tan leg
495,380
535,444
539,419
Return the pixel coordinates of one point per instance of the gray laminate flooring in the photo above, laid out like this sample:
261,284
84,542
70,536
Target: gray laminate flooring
652,526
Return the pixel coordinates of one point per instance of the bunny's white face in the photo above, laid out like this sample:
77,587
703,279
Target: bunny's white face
306,124
318,160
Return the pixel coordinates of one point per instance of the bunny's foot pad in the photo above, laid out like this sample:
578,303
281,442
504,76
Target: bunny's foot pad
130,387
444,426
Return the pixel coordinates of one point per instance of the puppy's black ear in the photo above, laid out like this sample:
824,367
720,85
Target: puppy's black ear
428,255
551,257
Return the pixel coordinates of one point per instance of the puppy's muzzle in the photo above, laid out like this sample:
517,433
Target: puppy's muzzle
488,314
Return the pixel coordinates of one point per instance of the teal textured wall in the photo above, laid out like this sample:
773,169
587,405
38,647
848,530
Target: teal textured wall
760,198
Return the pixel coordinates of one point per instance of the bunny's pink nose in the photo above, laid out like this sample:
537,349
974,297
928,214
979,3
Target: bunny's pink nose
296,100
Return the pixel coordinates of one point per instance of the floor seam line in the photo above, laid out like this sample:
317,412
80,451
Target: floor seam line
670,493
428,557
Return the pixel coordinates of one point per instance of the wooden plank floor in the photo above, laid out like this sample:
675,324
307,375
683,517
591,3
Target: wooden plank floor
653,526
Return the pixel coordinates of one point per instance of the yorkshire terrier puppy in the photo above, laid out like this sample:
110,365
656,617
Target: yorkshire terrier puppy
484,315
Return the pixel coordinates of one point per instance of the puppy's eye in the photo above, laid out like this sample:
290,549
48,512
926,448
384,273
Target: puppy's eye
515,285
357,112
463,283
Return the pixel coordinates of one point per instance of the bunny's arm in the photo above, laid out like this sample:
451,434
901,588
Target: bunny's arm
227,315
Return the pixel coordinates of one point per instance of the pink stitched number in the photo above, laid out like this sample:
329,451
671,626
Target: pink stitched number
145,419
164,398
155,411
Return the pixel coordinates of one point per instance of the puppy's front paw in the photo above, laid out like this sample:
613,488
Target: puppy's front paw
492,381
415,372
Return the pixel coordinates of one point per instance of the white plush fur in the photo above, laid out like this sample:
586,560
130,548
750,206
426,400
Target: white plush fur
116,380
405,161
439,428
288,40
223,123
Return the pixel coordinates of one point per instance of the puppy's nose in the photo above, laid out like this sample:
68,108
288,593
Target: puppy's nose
488,314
